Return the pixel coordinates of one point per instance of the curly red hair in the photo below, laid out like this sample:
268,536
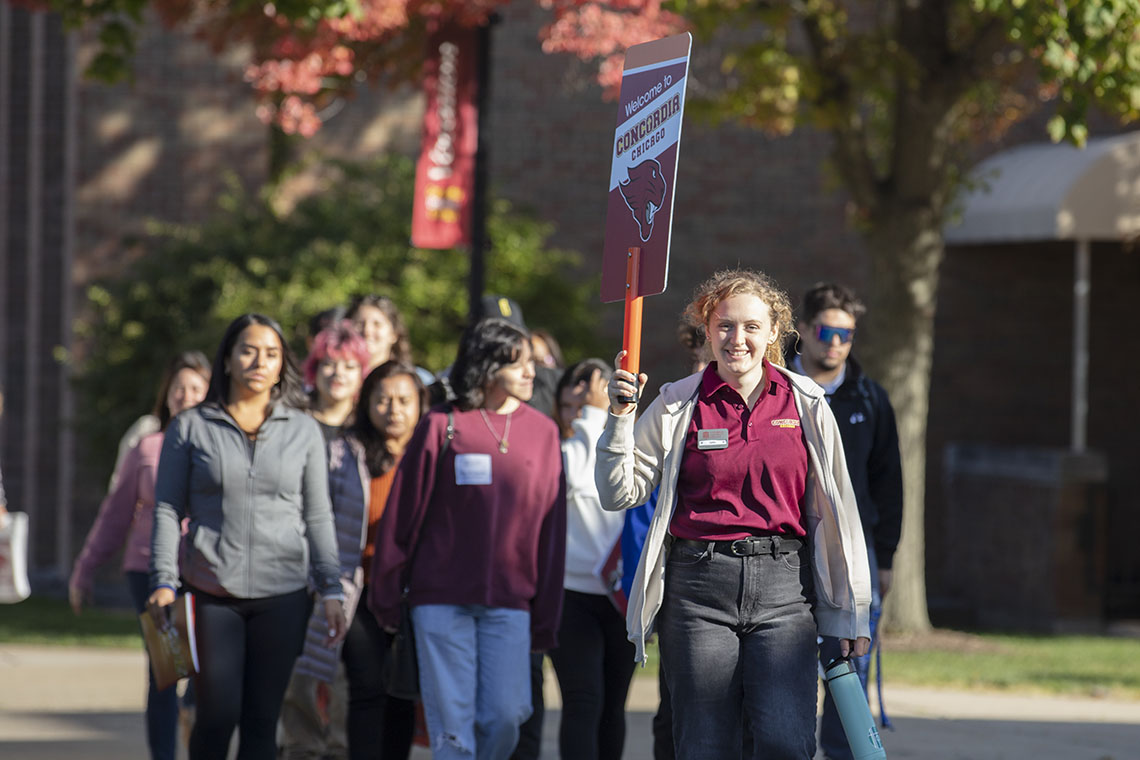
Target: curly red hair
733,282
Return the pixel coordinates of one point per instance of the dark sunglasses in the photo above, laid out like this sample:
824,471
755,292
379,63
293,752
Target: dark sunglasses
826,332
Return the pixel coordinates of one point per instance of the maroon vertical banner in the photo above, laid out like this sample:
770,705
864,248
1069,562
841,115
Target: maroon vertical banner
445,173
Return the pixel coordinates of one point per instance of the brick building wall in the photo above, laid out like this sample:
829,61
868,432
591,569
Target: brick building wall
1001,372
161,146
1002,376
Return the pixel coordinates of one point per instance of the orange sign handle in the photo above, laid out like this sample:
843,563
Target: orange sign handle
631,337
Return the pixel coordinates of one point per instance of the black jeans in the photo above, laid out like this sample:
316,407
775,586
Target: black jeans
738,644
594,662
246,651
379,727
663,720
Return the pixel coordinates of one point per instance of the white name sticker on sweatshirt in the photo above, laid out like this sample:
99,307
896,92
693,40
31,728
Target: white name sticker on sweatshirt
472,469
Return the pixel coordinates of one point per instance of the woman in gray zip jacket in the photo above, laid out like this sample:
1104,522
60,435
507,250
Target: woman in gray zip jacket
247,467
755,545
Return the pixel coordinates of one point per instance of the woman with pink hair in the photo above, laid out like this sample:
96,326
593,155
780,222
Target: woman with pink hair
334,370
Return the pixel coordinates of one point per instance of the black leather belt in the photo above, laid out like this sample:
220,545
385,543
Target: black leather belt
747,547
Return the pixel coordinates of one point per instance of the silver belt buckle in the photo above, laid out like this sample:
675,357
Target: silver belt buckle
739,548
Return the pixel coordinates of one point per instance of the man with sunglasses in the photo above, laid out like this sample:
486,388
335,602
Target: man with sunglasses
871,445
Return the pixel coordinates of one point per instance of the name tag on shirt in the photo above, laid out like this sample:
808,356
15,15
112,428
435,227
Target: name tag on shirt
473,469
712,439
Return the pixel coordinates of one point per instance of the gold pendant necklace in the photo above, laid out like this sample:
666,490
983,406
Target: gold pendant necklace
506,431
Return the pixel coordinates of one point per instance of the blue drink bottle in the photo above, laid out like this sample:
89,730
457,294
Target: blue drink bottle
854,714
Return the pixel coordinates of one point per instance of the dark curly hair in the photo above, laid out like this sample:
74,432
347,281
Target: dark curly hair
376,454
484,349
830,295
288,390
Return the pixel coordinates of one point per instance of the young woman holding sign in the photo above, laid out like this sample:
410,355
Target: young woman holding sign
755,546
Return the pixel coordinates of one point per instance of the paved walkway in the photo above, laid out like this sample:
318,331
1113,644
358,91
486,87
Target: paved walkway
65,703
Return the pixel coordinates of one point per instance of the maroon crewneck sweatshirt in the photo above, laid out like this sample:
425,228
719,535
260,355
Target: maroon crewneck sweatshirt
491,526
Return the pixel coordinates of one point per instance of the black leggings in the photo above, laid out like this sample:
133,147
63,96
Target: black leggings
246,650
380,727
594,662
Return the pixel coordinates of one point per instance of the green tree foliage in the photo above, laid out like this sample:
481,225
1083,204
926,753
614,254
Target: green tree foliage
350,238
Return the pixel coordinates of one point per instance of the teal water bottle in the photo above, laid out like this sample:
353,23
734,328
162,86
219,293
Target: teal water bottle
854,713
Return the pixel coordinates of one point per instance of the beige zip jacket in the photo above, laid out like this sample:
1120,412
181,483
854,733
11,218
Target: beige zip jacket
636,457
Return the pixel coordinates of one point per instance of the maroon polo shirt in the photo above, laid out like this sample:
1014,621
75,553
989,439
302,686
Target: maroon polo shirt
755,486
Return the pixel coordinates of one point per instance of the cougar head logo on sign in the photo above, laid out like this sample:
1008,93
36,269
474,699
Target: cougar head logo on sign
644,193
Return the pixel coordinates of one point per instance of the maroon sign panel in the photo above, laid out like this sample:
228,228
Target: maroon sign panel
445,173
643,171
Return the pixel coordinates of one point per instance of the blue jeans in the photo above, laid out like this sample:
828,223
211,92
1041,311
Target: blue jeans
474,678
161,706
832,739
530,732
738,643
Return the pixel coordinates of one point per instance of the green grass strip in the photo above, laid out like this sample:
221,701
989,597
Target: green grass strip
1090,666
1097,666
50,622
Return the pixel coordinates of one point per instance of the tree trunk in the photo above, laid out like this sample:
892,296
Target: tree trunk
906,249
282,152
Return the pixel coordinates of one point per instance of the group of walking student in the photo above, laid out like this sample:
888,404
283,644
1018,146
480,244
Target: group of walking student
311,508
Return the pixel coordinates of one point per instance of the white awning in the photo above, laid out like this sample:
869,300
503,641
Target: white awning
1053,192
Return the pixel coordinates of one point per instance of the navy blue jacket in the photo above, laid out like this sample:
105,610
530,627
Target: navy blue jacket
871,444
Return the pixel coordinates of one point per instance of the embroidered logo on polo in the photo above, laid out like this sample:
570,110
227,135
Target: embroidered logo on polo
786,423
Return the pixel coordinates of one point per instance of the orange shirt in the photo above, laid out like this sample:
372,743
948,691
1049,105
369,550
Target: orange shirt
377,500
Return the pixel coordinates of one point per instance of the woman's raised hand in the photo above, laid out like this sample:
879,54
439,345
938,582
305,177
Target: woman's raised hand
596,390
623,387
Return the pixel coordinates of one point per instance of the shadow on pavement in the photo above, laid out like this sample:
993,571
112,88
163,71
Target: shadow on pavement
119,736
945,739
60,736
